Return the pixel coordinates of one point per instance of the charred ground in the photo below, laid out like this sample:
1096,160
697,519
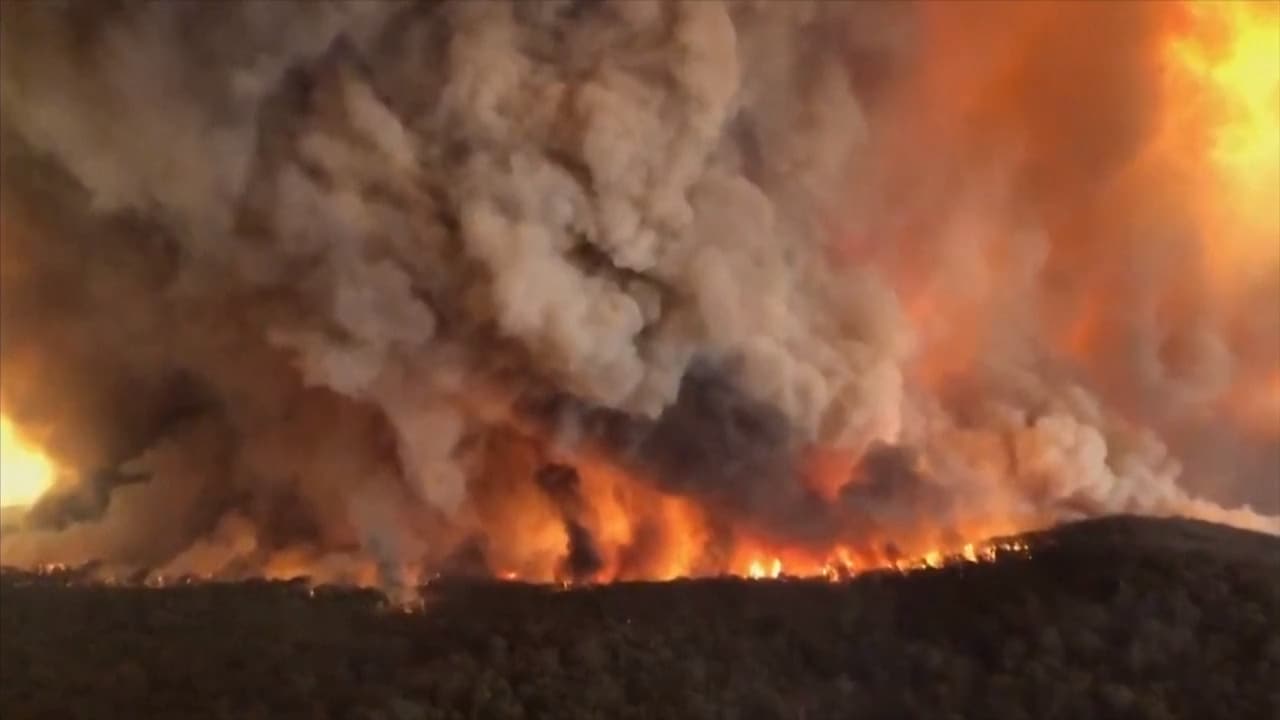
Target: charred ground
1113,618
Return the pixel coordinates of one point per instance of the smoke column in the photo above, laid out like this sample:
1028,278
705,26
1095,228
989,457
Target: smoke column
616,289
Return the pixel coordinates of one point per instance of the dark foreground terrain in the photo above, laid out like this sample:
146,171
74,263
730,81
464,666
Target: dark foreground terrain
1118,618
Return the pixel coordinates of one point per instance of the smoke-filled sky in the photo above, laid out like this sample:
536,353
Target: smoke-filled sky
627,289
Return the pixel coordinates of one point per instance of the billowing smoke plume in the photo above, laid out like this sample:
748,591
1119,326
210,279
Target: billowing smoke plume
605,289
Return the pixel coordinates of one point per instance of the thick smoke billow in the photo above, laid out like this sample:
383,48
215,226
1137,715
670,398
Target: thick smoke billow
603,289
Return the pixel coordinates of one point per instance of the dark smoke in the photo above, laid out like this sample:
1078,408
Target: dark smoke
582,559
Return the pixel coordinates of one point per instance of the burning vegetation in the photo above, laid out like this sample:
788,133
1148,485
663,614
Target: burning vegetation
1120,618
579,292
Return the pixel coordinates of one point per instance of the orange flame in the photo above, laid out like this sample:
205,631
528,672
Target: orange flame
1224,78
25,472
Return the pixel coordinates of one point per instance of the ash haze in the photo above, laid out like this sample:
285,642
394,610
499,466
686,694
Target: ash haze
330,288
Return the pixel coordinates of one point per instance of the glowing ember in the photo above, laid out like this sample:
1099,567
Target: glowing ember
25,473
837,569
841,565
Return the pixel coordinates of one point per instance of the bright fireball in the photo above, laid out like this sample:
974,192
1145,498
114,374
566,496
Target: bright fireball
1225,75
25,473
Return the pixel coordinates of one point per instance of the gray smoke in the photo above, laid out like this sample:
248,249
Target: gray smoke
338,278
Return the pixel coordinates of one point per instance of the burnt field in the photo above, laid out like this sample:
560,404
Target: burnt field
1117,618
